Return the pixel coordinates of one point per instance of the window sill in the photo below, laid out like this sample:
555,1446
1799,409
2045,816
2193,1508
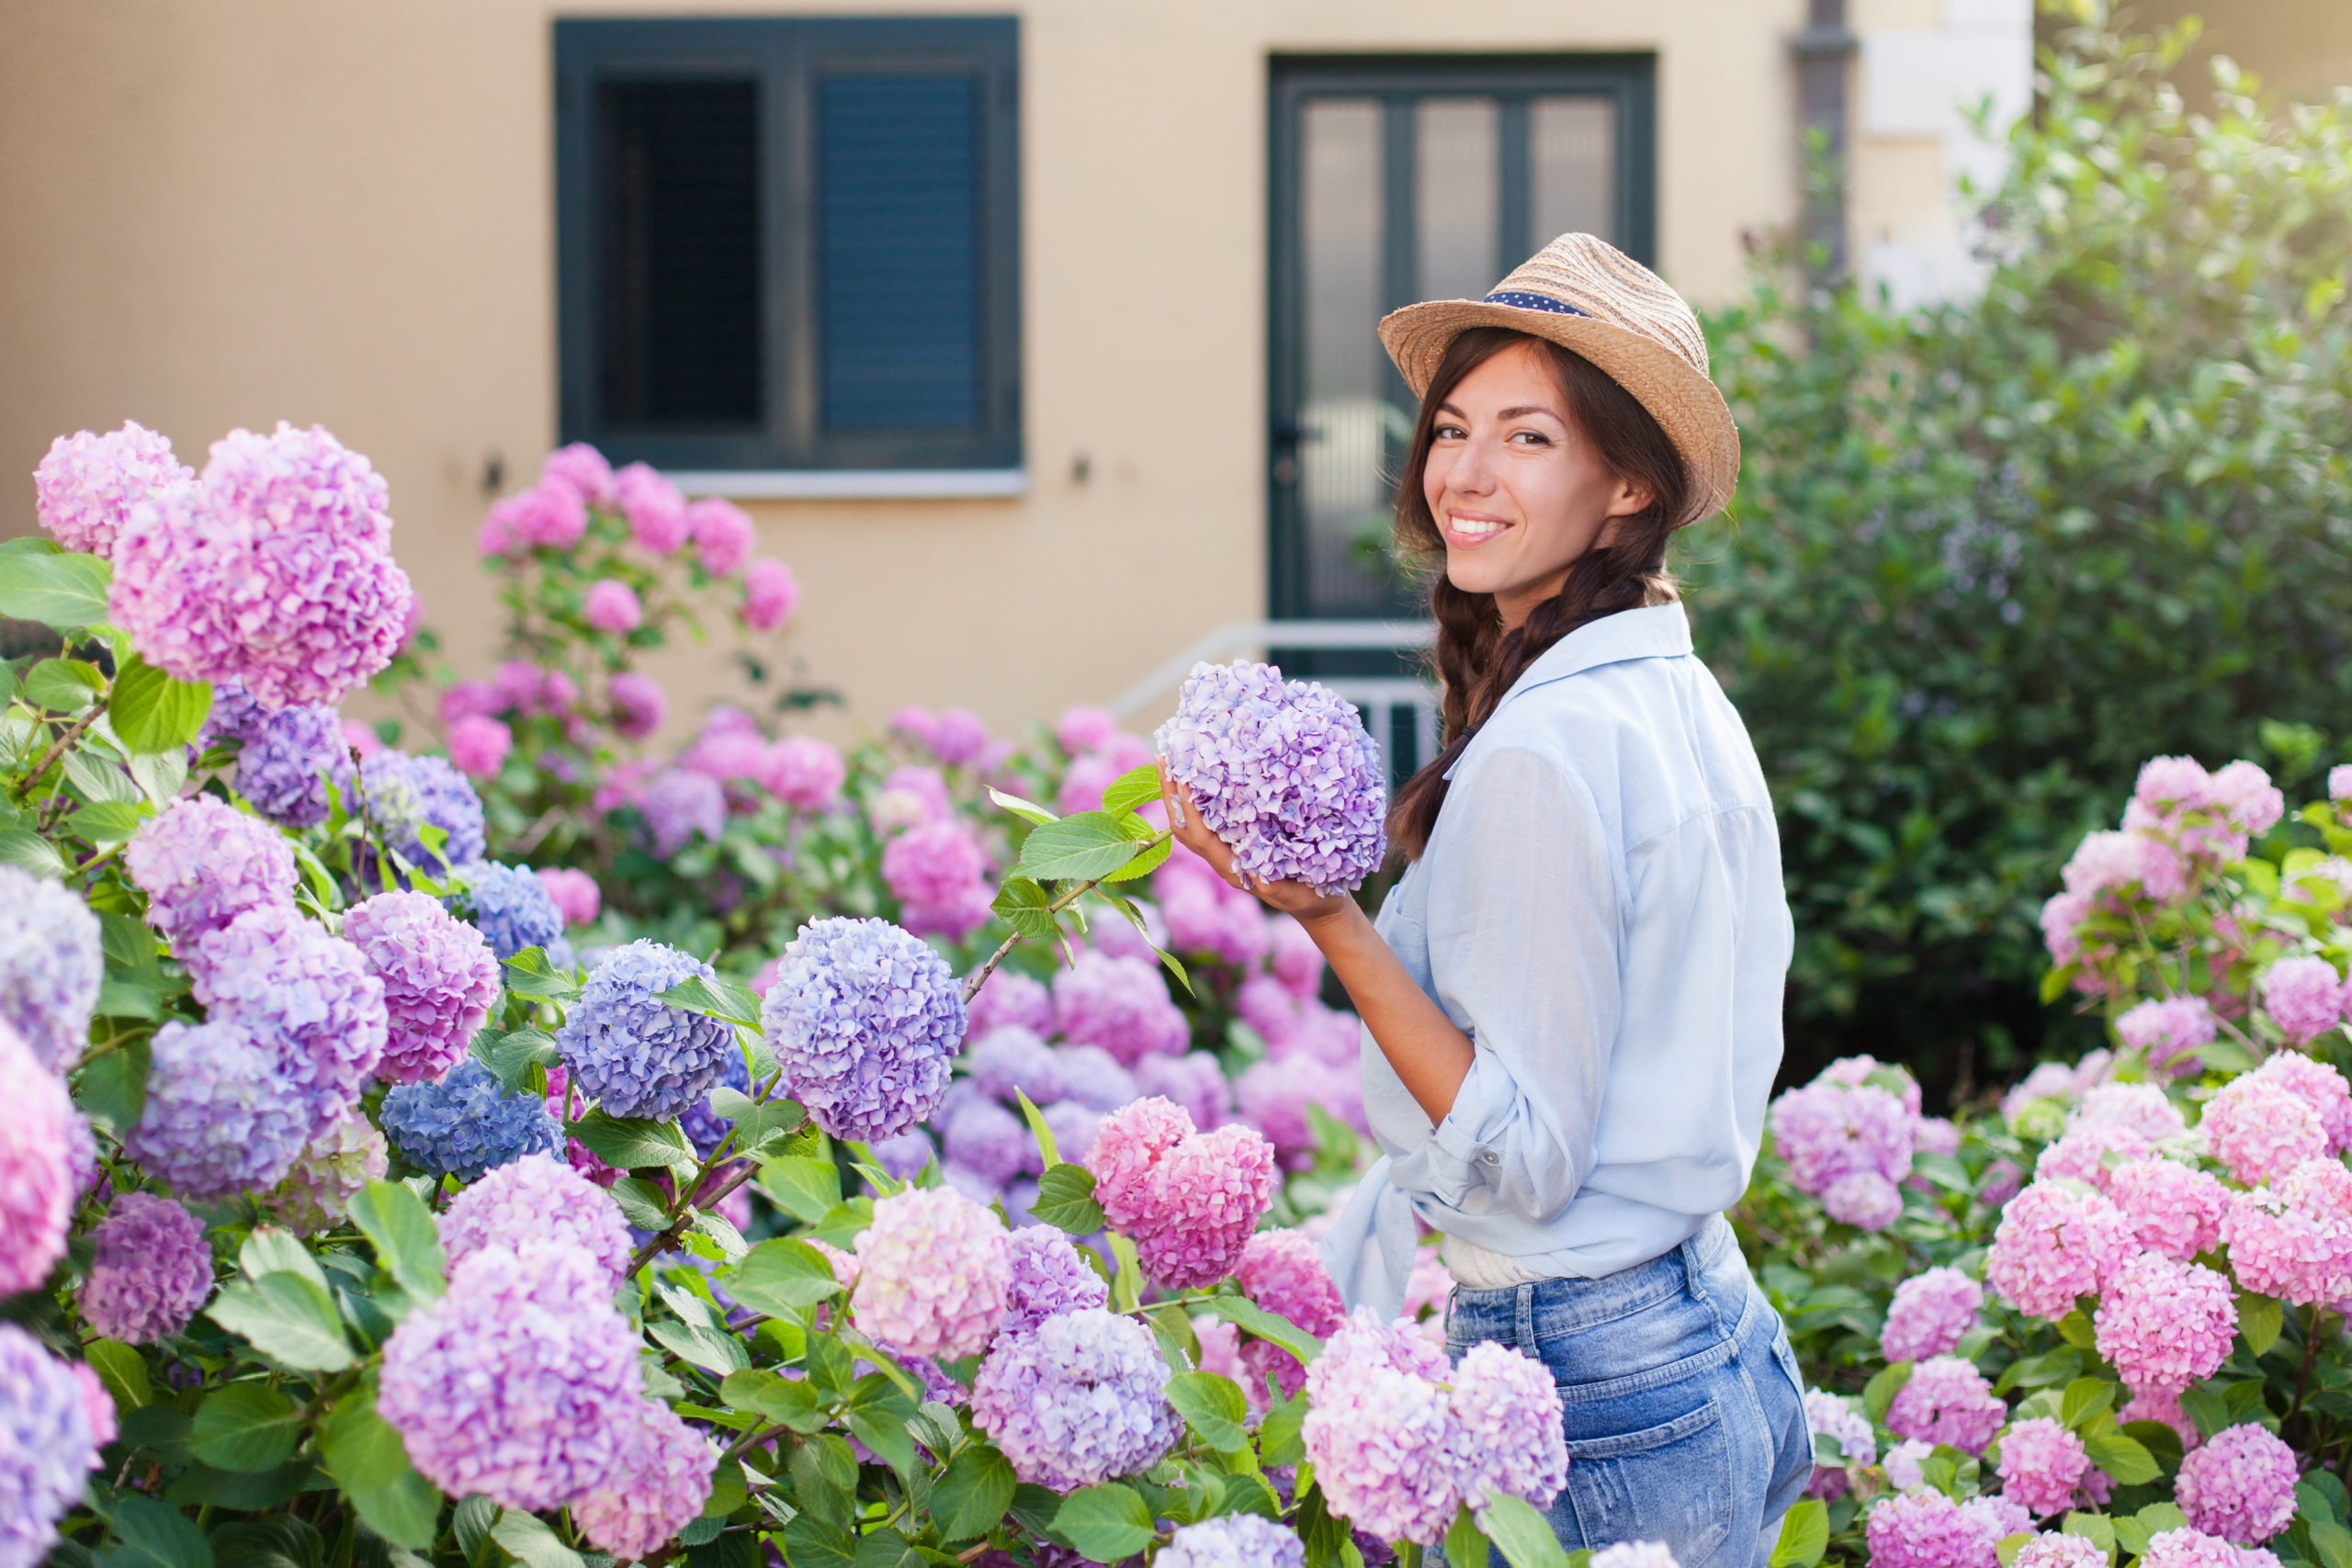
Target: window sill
853,484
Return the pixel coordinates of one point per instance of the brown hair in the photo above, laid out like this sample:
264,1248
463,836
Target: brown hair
1476,658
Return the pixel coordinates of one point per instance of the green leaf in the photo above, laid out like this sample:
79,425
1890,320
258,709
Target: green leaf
2034,1371
289,1319
1884,1384
273,1249
792,1401
112,1090
1252,1318
1804,1535
1066,1200
697,1346
408,1247
509,1056
634,1143
2076,1329
61,685
122,1369
1523,1536
60,590
30,851
281,1541
1278,1434
1104,1523
531,1542
2260,1319
1465,1542
1026,907
154,1534
528,974
640,1202
719,999
2320,1495
1027,810
968,1501
364,1456
1039,1130
1132,788
247,1426
2084,1398
2130,1463
805,1189
1091,844
2096,1528
813,1542
151,712
1213,1407
780,1277
107,822
2333,1542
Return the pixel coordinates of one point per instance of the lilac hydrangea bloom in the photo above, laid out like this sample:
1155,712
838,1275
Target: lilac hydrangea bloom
1093,1077
2169,1030
1282,772
535,1198
51,967
1194,1080
865,1018
1929,1313
512,907
308,996
1848,1430
1010,997
520,1383
440,980
1012,1057
1047,1277
678,804
465,1125
1380,1432
938,872
48,1446
634,1055
151,1272
405,795
1120,1004
1081,1399
285,757
1234,1541
1507,1436
932,1273
202,863
338,1163
219,1117
37,1180
705,1127
85,489
1947,1401
657,1490
2240,1485
274,569
989,1141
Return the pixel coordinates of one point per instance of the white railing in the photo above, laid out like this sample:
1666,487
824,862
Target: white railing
1394,706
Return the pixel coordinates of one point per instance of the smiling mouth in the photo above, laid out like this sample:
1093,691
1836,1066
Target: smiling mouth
1469,531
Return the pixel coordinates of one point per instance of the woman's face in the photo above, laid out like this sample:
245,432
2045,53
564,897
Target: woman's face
1518,492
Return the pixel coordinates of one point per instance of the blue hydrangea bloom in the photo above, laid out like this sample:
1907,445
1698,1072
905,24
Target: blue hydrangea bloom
465,1124
405,794
219,1117
51,967
1283,771
703,1126
512,907
285,757
865,1018
636,1057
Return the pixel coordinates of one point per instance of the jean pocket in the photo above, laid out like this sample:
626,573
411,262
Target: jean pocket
1670,1482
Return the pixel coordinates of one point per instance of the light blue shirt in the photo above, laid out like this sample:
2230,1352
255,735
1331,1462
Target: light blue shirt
1599,909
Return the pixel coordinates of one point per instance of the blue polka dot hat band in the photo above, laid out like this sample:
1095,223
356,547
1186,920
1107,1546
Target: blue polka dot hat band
1521,300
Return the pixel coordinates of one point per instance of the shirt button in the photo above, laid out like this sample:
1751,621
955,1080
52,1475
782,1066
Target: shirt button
1491,1158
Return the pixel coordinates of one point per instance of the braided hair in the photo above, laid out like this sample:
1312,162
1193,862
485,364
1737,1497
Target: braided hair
1476,659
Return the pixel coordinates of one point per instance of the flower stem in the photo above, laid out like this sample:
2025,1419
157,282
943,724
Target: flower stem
979,977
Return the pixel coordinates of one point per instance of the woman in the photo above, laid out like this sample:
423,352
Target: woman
1572,998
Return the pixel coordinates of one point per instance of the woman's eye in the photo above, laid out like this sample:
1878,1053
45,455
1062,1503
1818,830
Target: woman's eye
1448,432
1532,437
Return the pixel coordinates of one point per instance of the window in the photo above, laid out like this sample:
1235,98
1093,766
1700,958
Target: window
788,250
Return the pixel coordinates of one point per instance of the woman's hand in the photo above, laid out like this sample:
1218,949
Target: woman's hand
1296,899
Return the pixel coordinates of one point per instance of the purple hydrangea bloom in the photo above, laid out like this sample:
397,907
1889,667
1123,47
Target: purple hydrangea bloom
85,489
220,1116
151,1272
677,805
274,569
440,980
705,1127
1380,1433
51,967
865,1018
1234,1541
932,1273
512,907
1120,1004
638,707
1011,1057
1194,1080
1282,772
202,863
904,1156
521,1383
1077,1401
989,1141
635,1055
1073,1125
1009,998
1048,1277
1929,1313
48,1446
535,1198
657,1490
405,795
37,1182
465,1125
2240,1485
1507,1422
285,757
939,873
1093,1077
303,994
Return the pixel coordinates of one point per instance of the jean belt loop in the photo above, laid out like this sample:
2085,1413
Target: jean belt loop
1694,1277
1525,1329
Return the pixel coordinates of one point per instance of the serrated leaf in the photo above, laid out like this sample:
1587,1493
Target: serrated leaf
2120,1457
1105,1523
1278,1434
2084,1398
781,1277
805,1189
1804,1535
61,685
1132,789
246,1427
1523,1536
30,851
1091,844
1252,1318
968,1501
510,1055
1066,1200
1027,810
2261,1320
286,1317
123,1372
1153,857
719,1353
719,999
408,1247
1026,907
635,1144
61,591
528,973
155,1534
364,1456
107,822
1213,1407
151,712
112,1090
640,1202
531,1542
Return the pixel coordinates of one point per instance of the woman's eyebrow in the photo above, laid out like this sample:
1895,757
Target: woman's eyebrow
1523,409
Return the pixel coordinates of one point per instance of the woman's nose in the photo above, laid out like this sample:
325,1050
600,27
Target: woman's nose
1471,472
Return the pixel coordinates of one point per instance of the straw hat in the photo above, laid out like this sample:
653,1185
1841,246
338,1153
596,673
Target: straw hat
1588,296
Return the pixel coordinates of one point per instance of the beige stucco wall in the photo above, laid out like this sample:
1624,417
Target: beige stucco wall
225,212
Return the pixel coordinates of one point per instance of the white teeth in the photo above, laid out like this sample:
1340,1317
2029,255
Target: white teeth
1474,530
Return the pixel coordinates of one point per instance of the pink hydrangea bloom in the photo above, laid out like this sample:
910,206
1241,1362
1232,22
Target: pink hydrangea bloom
933,1273
1281,1271
2107,861
2239,1486
2165,1324
550,515
638,707
1947,1401
85,487
1205,1200
1084,729
770,592
657,512
1120,1004
1194,1080
2054,1245
536,1199
2062,921
2142,1108
1827,1130
1082,786
2003,1179
938,873
583,468
2041,1463
1507,1437
958,735
2294,1240
722,535
2080,1154
2173,1208
2319,1085
479,746
2161,1404
2169,1031
1931,1314
1926,1529
914,722
2191,1549
1293,958
1275,1096
2339,782
577,897
468,699
910,794
2055,1548
1378,1426
2303,995
2260,1129
2168,786
440,980
611,606
1864,1200
2246,796
804,771
656,1491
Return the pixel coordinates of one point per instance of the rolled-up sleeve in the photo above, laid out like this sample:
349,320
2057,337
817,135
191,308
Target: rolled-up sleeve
1524,944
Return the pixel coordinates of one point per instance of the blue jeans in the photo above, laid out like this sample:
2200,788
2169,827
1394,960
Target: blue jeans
1685,1410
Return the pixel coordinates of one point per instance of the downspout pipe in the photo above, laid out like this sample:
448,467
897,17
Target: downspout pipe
1823,53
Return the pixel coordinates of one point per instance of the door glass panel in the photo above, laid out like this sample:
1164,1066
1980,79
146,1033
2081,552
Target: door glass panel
1340,418
1573,167
1457,213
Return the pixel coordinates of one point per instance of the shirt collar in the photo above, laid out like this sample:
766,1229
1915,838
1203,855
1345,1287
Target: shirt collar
1656,631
